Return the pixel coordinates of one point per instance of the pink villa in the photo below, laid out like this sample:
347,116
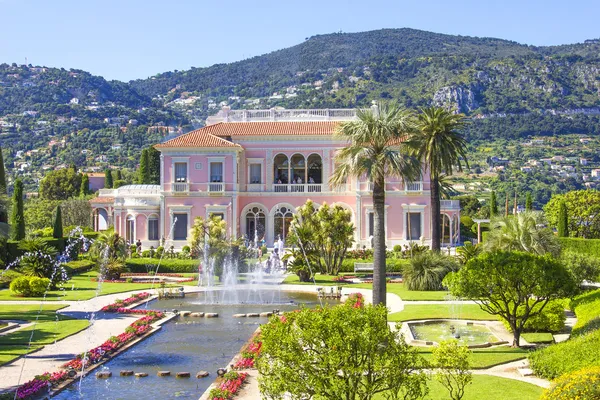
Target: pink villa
253,168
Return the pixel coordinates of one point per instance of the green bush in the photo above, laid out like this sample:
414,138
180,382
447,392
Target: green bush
582,384
171,265
427,271
30,286
113,270
551,319
159,251
582,246
146,253
583,267
9,276
391,264
77,267
587,308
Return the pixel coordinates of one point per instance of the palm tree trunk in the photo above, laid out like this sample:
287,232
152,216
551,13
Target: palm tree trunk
435,214
379,288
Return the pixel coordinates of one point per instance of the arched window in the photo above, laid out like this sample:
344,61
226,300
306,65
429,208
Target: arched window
315,172
130,229
255,224
282,220
445,229
281,171
298,169
153,227
101,220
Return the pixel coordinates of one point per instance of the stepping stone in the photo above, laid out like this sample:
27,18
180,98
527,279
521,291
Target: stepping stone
525,371
253,315
103,375
164,373
141,374
239,315
185,313
196,314
202,374
266,314
211,315
126,373
183,375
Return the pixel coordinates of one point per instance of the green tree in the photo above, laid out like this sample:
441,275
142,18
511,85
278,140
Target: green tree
583,212
110,246
493,204
144,172
468,251
525,231
563,220
76,212
338,353
528,202
452,363
61,184
442,148
376,151
2,175
515,286
85,186
426,271
17,220
154,165
108,180
38,212
325,233
57,231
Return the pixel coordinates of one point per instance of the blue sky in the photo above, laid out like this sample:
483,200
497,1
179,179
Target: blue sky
129,39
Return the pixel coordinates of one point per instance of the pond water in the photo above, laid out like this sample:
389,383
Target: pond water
446,330
185,344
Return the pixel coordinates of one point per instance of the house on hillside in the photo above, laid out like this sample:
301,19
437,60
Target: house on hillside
96,180
253,168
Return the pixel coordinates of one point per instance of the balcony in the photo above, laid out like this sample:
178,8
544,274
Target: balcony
413,186
450,204
216,187
298,188
254,187
180,187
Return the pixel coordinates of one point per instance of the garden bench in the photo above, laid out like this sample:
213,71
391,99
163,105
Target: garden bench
362,267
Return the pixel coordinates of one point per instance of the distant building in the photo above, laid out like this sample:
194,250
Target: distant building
96,181
583,161
595,173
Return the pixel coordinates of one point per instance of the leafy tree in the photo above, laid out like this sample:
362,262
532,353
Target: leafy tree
528,202
583,212
2,175
154,165
493,204
38,212
441,147
512,285
144,172
376,151
524,232
85,186
563,220
61,184
452,363
108,180
469,205
583,267
426,271
58,225
77,212
338,353
326,234
17,220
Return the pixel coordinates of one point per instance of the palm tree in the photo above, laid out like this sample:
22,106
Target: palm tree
526,231
376,150
110,245
439,145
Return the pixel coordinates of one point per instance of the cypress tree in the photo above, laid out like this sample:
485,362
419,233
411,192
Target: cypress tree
563,220
144,172
57,233
17,220
85,186
2,174
154,165
493,204
118,176
528,202
108,180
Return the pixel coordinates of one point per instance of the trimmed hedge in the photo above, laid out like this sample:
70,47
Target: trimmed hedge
77,267
587,308
14,252
583,246
391,264
169,265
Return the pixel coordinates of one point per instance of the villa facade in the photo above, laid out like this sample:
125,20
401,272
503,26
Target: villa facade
253,168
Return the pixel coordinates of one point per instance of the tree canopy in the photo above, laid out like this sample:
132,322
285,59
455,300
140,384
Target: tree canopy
61,184
583,212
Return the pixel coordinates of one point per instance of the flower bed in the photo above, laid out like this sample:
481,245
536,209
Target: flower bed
249,356
40,383
124,303
229,386
126,274
146,281
355,300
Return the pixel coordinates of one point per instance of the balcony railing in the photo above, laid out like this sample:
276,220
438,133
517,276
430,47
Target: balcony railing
414,186
297,188
254,187
180,187
450,204
216,187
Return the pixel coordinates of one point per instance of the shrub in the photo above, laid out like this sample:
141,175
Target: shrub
21,286
582,266
8,276
113,270
582,384
30,286
391,264
427,271
551,319
587,308
159,251
170,265
146,254
397,248
77,267
589,247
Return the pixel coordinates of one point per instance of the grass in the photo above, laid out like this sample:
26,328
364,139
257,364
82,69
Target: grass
430,311
486,358
10,353
81,287
538,337
398,289
488,388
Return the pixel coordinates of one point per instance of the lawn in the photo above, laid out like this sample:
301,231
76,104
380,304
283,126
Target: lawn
81,287
488,388
398,289
9,353
538,337
430,311
486,358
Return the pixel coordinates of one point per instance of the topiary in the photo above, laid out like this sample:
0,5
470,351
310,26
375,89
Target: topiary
21,286
582,384
38,286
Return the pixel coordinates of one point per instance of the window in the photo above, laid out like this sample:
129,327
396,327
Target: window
130,229
371,224
180,230
180,172
413,226
282,221
255,224
153,228
255,173
216,172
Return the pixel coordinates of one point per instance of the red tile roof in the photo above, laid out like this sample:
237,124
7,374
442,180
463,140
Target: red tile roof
103,200
198,138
